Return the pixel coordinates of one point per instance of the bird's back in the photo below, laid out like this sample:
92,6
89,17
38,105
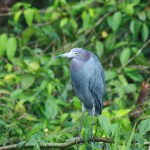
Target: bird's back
87,78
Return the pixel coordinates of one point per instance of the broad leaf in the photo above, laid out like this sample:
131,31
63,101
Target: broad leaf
28,14
99,48
144,126
105,123
116,20
3,44
11,48
145,32
125,55
27,81
110,74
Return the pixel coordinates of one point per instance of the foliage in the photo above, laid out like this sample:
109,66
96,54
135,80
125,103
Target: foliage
36,98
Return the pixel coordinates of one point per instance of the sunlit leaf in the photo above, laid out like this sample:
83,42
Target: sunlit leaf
11,48
63,22
99,48
110,74
105,123
129,9
130,88
17,15
28,14
27,81
3,44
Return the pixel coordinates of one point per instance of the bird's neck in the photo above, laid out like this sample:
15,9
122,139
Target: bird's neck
76,64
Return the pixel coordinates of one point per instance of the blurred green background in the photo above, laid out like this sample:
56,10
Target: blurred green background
37,102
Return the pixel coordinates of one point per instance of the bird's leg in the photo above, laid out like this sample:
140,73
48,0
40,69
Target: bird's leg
93,113
80,128
81,122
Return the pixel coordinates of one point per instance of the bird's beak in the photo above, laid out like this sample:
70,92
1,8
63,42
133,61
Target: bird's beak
68,55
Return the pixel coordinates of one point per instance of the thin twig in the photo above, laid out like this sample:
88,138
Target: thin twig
139,51
57,145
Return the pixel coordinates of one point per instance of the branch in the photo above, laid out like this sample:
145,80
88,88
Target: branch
134,114
139,51
57,145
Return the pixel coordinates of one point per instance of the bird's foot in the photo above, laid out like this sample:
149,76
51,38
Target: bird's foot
91,139
78,140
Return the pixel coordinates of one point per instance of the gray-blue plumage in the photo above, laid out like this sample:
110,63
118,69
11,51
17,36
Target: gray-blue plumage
87,78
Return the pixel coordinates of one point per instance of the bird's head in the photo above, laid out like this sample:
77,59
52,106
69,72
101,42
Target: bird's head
77,53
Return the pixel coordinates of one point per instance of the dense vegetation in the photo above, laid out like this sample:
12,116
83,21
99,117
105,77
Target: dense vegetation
37,103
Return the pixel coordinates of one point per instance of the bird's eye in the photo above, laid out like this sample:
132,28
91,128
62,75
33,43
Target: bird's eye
76,53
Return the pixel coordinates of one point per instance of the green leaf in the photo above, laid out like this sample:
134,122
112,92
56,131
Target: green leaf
21,144
114,128
125,55
99,48
110,42
26,35
74,23
51,109
87,134
49,88
63,22
144,126
3,44
145,32
129,9
142,15
30,117
11,48
17,16
130,139
28,14
116,20
135,76
130,88
105,123
110,74
134,26
27,81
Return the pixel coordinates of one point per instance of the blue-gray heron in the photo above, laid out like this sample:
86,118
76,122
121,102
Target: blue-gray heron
87,78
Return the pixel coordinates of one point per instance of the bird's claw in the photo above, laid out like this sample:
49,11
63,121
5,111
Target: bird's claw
92,138
77,139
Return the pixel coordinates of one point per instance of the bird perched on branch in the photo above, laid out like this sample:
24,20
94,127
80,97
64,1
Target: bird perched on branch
87,78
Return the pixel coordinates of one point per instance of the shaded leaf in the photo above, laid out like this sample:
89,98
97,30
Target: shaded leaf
144,126
51,109
116,20
125,55
145,32
110,42
135,76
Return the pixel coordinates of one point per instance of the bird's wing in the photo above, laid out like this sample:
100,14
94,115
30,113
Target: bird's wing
96,84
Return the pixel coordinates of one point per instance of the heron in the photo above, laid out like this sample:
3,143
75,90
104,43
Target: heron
87,79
